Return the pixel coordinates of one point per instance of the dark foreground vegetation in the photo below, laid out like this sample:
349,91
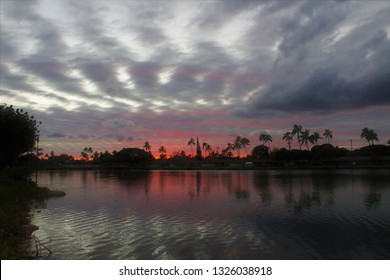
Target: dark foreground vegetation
17,196
18,193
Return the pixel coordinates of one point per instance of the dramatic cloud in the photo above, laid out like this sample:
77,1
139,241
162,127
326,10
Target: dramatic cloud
96,72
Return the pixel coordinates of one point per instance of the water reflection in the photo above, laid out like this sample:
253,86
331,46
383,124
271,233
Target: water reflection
218,214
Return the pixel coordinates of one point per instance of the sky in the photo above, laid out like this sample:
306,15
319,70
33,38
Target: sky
114,74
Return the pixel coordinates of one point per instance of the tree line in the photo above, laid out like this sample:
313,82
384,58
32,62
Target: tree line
20,136
303,137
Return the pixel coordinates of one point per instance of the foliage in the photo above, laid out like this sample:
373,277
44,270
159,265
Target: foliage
19,132
327,151
265,138
373,150
289,155
132,156
260,152
328,134
15,199
370,135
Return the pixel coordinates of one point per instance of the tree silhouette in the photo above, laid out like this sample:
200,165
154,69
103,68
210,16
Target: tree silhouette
305,138
204,146
229,150
147,147
288,137
297,130
328,135
245,142
314,138
86,153
191,143
237,145
208,149
19,133
198,149
260,152
369,135
162,152
265,138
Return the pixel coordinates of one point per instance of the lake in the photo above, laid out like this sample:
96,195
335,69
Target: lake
286,214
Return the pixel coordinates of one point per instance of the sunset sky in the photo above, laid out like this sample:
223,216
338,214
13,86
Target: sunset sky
114,74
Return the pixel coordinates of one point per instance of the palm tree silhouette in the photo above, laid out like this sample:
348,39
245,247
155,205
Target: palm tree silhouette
191,143
266,138
208,149
204,146
314,138
370,135
305,138
297,130
162,152
288,137
245,142
147,147
328,135
237,145
229,149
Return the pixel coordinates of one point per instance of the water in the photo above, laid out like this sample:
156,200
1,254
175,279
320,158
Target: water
307,214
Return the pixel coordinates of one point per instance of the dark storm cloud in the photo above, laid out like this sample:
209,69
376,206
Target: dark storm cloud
350,73
325,91
312,20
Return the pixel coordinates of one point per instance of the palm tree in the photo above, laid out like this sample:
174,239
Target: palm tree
314,138
204,146
328,135
237,145
229,149
245,142
198,150
288,137
147,147
265,138
369,135
162,152
208,149
297,130
305,138
191,143
87,153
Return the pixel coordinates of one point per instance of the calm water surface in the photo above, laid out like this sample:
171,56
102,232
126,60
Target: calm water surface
217,214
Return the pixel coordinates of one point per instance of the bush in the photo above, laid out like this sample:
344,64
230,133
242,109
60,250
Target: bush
260,152
19,132
327,151
132,156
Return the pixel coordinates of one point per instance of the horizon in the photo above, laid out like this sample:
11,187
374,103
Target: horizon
110,75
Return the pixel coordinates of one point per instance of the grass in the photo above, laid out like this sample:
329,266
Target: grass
16,198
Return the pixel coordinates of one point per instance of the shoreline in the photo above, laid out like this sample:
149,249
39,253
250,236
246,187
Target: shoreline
216,167
17,198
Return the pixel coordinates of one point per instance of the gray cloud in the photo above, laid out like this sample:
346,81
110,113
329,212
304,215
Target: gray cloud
97,68
56,135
